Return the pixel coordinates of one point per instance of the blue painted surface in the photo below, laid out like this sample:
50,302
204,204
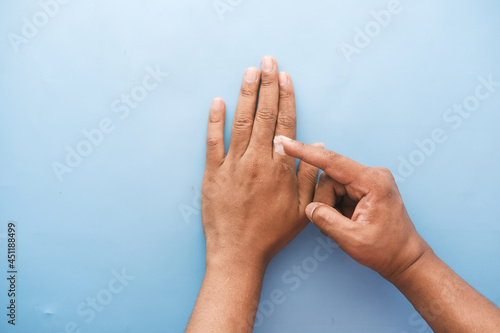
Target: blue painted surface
131,207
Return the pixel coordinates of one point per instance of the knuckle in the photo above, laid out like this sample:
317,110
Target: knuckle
286,93
247,92
213,142
265,114
382,171
268,81
323,179
383,180
287,121
330,156
242,123
383,175
215,120
312,175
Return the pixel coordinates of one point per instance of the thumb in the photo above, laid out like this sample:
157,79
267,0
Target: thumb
330,221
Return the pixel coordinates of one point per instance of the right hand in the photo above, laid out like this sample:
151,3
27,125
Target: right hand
361,209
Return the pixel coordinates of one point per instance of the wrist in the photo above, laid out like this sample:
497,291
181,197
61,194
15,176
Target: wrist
423,263
232,263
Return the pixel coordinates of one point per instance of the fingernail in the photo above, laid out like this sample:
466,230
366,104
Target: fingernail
278,144
251,75
283,79
319,145
218,104
310,210
267,64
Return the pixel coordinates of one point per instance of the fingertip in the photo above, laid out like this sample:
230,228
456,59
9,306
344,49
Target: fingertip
215,140
218,104
287,145
269,57
278,144
267,64
283,79
252,75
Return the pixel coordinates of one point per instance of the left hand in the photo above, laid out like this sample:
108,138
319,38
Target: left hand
252,200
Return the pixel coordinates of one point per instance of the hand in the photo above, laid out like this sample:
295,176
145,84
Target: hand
361,209
253,200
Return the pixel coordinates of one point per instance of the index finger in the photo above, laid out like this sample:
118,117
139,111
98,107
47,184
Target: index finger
338,167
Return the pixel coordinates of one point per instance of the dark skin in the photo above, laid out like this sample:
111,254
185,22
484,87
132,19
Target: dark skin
254,204
361,209
252,200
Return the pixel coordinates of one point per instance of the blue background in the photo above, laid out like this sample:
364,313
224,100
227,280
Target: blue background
133,202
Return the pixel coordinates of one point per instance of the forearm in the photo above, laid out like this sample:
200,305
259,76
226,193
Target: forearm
228,298
446,301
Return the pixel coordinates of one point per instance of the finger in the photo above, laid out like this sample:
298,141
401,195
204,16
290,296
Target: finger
245,112
287,120
307,176
325,190
267,109
332,193
340,168
331,222
286,123
215,133
329,191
